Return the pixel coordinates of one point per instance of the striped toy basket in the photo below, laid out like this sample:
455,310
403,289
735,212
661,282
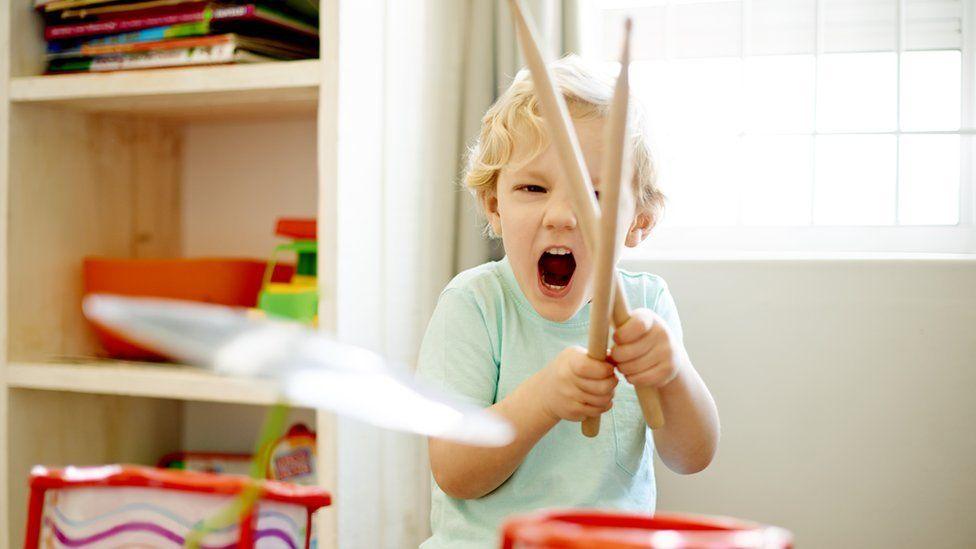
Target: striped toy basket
134,506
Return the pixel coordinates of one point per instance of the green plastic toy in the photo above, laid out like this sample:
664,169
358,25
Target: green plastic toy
297,299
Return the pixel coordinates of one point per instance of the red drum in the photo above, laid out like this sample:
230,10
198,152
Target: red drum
578,529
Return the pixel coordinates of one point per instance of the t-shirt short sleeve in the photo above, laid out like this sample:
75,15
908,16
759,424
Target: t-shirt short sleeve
456,354
665,307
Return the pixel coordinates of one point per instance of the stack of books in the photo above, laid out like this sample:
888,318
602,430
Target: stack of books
108,35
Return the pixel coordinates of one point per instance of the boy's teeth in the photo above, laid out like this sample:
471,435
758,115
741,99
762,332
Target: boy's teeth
558,251
551,287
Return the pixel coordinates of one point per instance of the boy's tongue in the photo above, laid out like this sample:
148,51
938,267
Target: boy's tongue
557,270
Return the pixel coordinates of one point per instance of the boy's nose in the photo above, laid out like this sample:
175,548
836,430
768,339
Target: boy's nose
560,215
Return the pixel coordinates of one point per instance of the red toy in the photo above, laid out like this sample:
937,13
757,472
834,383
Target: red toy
578,529
233,282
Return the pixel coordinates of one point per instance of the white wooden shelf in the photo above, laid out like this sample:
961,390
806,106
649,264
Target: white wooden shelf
169,381
249,90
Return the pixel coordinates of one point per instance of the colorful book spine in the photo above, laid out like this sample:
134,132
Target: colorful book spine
134,22
114,10
131,47
153,34
205,55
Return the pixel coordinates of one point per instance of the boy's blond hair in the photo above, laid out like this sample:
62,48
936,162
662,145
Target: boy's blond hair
516,115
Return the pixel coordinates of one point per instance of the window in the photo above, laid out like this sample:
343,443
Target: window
806,125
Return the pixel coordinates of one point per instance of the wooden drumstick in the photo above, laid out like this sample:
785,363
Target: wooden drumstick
618,168
615,158
605,255
556,115
560,125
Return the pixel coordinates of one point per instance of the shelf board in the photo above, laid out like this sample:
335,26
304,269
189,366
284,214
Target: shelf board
140,379
222,91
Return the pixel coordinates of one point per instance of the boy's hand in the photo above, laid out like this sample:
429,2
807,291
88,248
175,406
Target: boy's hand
644,351
575,386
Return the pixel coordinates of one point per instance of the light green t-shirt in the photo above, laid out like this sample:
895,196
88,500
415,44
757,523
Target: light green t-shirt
483,340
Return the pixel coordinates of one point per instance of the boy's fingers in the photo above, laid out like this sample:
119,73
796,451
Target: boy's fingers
629,369
643,361
597,387
640,321
652,376
597,401
590,368
630,351
588,410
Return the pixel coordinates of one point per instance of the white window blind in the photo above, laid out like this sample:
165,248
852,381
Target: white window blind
715,28
809,125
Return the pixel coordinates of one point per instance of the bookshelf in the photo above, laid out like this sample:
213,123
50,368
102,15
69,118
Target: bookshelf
170,381
227,91
93,164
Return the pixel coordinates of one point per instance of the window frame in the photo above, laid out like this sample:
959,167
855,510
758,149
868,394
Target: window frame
824,239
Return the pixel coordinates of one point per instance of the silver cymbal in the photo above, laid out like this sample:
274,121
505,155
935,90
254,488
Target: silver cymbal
310,368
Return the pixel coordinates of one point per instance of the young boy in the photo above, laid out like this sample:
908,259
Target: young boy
507,335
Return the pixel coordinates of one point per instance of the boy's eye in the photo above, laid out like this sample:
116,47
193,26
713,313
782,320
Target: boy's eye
531,188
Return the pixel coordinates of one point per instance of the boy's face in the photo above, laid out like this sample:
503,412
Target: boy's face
532,210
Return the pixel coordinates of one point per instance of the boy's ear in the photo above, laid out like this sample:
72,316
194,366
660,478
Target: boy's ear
489,201
639,229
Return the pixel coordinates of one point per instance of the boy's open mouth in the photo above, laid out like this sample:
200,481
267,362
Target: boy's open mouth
556,267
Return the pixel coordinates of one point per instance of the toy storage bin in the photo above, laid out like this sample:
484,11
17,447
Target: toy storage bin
124,505
578,529
223,281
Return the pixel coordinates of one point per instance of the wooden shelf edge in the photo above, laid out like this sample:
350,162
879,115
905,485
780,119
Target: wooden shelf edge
172,81
170,381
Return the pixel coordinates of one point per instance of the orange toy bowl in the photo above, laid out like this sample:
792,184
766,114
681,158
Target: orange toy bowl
578,529
233,282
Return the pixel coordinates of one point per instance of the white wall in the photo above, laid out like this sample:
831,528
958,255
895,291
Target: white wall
845,393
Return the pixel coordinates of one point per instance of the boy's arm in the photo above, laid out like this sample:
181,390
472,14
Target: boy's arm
468,472
649,354
689,439
572,386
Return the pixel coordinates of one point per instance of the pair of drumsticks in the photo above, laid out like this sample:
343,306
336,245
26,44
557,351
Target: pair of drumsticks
608,295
